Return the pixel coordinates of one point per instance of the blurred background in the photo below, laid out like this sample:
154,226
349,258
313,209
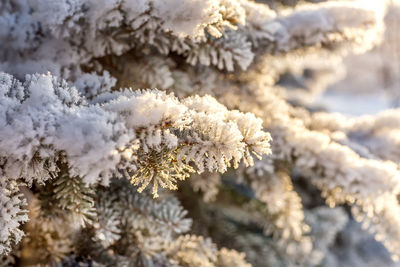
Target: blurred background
357,85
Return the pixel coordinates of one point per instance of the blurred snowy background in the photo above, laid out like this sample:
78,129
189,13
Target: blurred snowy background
360,84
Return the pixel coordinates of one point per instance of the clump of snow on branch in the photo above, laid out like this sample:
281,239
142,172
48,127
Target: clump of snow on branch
12,214
139,130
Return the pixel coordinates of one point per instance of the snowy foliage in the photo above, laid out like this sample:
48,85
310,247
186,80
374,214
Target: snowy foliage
13,214
125,130
107,106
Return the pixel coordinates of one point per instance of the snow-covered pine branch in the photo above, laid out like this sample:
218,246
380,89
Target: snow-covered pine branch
222,33
44,119
326,25
148,135
307,148
12,214
131,229
342,174
377,135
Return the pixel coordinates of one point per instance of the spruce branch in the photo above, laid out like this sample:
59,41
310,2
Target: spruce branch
74,197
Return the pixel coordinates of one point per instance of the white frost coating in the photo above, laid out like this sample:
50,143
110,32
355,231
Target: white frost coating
233,129
78,30
92,85
284,216
183,18
378,135
328,23
147,108
187,17
344,172
154,139
191,250
47,117
12,214
44,119
341,173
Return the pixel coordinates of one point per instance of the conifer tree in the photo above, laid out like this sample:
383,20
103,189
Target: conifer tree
161,133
